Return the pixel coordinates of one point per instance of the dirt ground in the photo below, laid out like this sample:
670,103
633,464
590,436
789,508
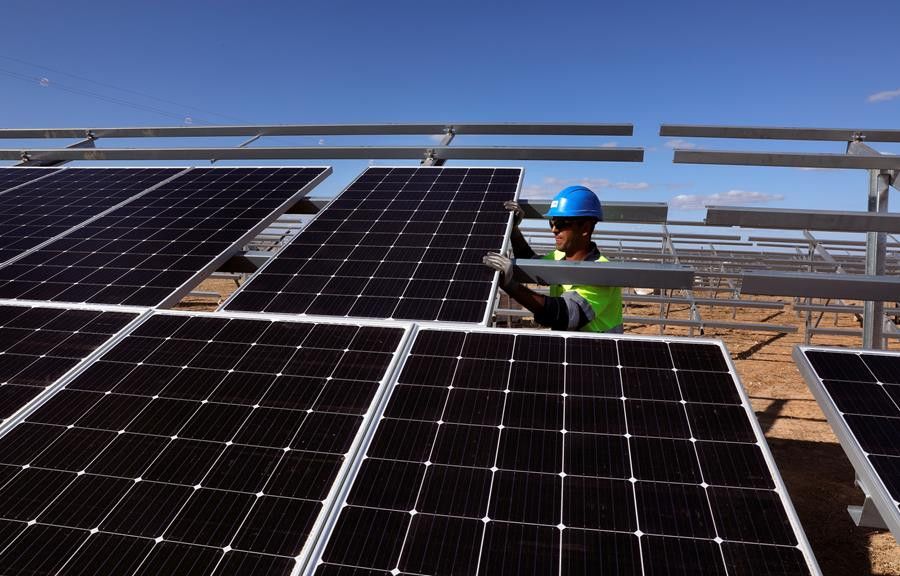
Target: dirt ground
815,469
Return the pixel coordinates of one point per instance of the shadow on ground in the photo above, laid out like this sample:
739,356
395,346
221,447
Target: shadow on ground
822,474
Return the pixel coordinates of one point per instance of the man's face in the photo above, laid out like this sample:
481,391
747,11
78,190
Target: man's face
570,232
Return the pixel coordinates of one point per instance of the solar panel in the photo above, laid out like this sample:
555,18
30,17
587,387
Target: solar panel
197,444
153,250
531,453
859,392
402,243
38,211
12,177
39,345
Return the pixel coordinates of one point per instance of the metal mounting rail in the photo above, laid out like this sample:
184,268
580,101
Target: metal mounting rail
788,219
641,274
820,285
640,212
779,133
553,153
787,159
511,128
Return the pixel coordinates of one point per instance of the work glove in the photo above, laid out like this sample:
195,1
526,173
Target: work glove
503,265
516,209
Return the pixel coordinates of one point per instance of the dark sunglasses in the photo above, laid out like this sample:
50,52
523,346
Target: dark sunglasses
563,223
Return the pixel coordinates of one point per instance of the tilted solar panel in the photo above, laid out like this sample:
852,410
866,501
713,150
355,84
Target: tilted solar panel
199,444
38,211
502,453
859,392
39,345
154,249
402,243
12,177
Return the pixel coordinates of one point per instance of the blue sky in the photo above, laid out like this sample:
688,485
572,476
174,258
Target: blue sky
756,63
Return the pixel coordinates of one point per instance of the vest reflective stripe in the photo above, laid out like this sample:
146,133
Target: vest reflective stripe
605,300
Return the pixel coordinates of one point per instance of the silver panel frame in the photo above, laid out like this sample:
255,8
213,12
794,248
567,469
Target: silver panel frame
314,559
868,479
489,304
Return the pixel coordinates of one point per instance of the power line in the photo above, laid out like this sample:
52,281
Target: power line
128,90
103,97
106,98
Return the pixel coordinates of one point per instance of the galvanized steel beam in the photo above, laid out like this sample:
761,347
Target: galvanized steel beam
779,133
639,212
558,153
820,285
788,159
644,275
788,219
513,128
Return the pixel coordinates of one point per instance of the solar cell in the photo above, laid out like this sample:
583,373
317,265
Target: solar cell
859,392
39,345
402,243
532,469
12,177
38,211
152,250
202,462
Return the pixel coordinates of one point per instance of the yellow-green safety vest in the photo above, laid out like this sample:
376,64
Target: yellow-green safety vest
605,300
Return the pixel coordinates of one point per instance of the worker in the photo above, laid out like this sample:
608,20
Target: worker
573,214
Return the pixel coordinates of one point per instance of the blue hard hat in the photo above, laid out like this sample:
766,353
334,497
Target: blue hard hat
575,202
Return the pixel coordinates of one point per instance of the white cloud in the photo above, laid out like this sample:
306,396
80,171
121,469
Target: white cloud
678,143
631,185
609,145
550,186
436,137
730,198
884,96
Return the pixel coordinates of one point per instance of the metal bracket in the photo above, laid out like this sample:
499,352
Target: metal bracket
867,516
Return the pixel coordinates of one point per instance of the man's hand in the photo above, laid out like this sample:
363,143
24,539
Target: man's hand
517,211
503,265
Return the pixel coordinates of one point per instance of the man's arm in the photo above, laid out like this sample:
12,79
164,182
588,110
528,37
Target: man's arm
571,311
520,246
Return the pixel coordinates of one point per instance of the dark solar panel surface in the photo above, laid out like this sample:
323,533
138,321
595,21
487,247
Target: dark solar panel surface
36,212
402,243
864,390
10,177
202,445
536,454
143,252
39,345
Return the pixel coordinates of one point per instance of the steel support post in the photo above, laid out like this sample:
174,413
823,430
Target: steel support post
873,324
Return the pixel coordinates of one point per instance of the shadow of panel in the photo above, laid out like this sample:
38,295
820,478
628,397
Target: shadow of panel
819,479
